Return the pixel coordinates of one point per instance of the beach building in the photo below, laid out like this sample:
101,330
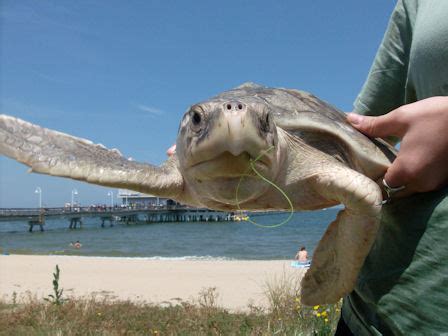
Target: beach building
136,200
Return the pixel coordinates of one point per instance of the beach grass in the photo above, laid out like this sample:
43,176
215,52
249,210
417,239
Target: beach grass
102,317
60,315
202,316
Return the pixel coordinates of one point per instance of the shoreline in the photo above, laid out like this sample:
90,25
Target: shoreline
140,279
161,258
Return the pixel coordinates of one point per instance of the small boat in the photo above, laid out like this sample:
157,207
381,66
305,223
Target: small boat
240,216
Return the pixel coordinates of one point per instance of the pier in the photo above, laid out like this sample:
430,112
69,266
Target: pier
111,216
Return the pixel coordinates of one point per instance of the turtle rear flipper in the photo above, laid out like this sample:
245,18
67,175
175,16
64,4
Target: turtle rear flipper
342,250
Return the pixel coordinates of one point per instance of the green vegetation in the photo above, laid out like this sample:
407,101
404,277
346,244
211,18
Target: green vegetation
89,316
56,297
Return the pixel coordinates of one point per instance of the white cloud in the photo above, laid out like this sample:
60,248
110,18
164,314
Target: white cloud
149,109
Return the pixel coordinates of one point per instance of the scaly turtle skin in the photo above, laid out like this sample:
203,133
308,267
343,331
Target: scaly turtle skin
307,149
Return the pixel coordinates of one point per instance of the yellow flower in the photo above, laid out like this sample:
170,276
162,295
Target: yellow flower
297,299
318,314
324,314
316,307
326,320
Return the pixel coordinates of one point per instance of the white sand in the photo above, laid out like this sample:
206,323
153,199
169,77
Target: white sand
237,282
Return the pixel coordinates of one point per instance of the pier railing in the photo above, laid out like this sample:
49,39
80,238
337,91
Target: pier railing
124,215
12,214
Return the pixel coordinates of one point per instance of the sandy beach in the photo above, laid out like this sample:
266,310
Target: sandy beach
237,282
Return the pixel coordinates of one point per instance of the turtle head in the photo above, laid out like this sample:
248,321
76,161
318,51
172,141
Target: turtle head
217,141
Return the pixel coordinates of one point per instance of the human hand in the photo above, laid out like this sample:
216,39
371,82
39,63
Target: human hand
170,151
422,161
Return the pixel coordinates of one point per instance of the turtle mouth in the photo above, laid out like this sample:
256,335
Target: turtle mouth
229,165
229,179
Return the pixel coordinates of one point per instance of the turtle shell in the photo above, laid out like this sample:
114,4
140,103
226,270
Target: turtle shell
319,125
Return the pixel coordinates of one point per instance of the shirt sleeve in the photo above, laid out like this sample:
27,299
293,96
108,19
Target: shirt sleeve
385,87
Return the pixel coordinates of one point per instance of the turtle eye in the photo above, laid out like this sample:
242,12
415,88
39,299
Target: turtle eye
196,118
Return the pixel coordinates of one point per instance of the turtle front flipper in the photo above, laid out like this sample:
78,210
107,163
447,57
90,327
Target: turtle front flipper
342,250
55,153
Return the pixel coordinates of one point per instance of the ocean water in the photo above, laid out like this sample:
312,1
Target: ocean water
176,240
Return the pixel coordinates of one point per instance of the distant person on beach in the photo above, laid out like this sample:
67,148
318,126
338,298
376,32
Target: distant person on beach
302,255
402,288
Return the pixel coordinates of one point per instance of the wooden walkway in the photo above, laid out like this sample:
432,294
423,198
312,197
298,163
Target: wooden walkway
75,216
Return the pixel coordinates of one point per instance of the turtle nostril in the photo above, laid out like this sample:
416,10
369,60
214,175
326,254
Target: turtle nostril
234,106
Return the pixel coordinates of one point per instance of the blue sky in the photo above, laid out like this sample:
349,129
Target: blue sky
122,73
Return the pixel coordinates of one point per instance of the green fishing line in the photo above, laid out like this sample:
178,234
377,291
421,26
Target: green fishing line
251,166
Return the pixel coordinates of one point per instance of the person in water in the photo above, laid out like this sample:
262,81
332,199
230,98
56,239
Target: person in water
76,245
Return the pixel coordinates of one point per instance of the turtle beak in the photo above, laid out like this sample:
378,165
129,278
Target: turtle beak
248,129
238,129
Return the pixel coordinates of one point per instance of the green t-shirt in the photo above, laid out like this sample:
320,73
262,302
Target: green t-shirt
402,288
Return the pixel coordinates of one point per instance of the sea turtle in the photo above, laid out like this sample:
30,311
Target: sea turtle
293,139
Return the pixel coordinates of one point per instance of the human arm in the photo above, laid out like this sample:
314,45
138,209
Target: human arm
422,161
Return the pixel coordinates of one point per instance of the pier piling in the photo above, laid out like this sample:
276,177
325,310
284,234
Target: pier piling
74,221
126,216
